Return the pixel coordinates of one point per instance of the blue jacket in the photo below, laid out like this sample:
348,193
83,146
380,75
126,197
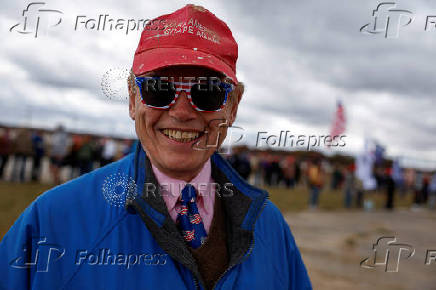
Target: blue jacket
97,232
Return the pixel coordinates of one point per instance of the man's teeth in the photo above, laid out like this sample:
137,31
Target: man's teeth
181,136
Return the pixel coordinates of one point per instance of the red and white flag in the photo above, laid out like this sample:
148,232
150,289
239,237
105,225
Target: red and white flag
338,126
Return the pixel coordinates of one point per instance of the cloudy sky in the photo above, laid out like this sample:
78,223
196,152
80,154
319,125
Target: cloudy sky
296,58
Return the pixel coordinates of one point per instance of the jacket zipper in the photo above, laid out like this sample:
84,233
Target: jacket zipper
247,254
195,282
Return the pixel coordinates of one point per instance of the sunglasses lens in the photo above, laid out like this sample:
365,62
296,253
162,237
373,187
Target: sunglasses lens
158,93
208,97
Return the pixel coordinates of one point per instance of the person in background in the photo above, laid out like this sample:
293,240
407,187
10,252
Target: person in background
349,188
297,172
38,153
256,171
5,148
360,193
315,177
398,175
241,164
379,175
418,186
119,150
301,172
288,169
432,192
276,171
266,168
409,179
84,156
337,177
77,141
126,148
109,151
58,152
390,189
425,187
23,150
97,151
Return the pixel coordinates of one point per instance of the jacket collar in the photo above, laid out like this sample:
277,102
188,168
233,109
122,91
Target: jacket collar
242,204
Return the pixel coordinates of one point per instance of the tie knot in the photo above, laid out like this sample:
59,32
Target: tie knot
189,194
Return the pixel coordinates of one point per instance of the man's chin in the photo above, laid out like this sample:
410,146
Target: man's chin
179,163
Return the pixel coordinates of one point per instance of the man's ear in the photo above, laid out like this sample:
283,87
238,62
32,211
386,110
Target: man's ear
132,106
236,98
132,96
233,111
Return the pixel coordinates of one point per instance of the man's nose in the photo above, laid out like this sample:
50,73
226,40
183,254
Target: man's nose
182,109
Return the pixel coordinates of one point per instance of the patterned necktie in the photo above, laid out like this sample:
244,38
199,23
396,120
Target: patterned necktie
189,220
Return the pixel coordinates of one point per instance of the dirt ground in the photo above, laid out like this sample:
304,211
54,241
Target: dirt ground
334,243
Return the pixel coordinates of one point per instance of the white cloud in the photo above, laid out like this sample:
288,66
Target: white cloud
296,58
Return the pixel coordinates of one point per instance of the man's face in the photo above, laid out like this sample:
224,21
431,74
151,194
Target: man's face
158,129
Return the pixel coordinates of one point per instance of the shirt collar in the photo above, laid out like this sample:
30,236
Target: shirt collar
171,188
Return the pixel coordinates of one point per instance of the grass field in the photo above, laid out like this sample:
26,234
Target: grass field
15,197
288,200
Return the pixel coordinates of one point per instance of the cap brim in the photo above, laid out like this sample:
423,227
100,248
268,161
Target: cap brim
168,56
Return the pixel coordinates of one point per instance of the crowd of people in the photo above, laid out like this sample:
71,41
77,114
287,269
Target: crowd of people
80,153
77,154
318,173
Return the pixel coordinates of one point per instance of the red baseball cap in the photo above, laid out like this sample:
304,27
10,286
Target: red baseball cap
191,35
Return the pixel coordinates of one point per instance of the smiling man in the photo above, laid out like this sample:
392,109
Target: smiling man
174,214
180,137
